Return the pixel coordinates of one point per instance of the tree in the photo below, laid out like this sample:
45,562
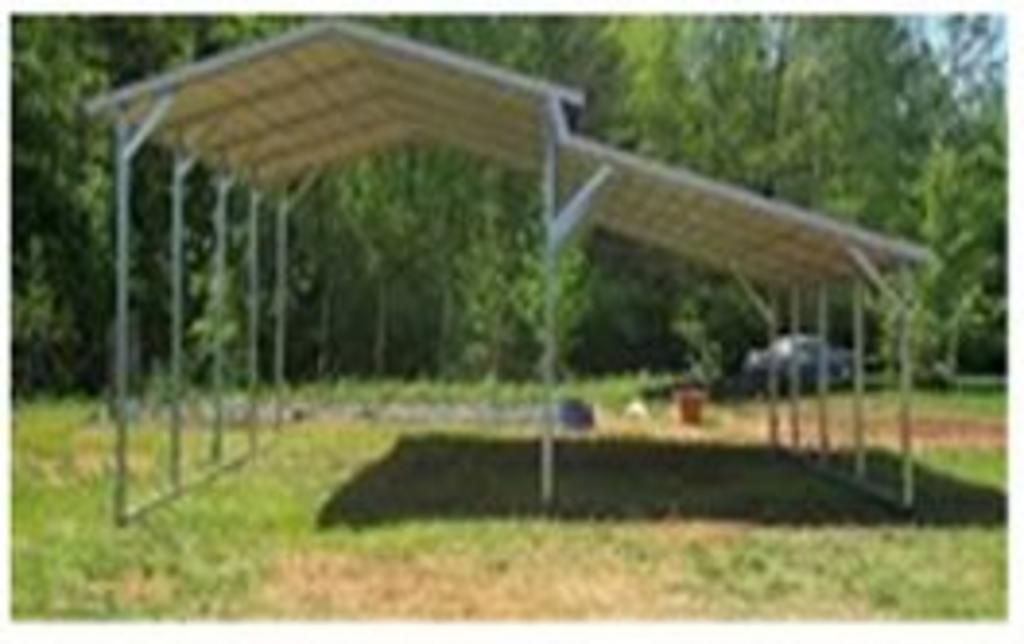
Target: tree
426,260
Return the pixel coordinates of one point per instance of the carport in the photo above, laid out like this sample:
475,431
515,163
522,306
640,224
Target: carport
270,118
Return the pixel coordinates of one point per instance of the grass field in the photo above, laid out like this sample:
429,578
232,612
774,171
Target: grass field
356,521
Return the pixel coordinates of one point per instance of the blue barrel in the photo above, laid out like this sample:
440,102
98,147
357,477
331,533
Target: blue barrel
575,415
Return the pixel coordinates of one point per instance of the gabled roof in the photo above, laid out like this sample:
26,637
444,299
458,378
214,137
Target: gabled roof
724,227
330,91
325,94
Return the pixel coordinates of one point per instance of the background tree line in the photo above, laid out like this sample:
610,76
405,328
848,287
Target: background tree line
426,262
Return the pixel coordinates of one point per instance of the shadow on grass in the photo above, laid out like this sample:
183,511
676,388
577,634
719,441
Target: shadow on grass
441,476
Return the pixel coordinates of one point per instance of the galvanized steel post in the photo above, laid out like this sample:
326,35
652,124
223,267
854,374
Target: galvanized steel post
794,369
823,372
254,309
122,169
549,362
280,305
860,461
182,165
906,390
773,375
127,141
219,279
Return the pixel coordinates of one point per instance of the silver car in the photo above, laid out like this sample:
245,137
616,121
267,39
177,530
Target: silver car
805,350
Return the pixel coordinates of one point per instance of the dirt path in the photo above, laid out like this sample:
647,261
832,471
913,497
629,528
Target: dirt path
881,429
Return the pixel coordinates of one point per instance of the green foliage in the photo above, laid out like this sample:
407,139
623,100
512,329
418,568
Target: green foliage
424,261
962,190
61,266
862,118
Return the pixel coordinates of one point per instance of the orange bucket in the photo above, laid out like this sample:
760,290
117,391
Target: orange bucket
690,405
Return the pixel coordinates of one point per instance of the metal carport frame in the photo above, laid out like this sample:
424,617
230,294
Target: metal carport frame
277,114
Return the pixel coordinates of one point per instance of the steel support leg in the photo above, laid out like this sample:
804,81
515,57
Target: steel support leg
550,195
219,283
823,372
547,482
123,188
906,391
182,165
860,460
773,376
794,370
127,141
254,315
280,302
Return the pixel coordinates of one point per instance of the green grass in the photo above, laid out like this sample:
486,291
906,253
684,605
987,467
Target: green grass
616,390
359,521
986,404
970,402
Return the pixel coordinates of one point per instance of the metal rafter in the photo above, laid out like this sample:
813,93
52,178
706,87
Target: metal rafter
701,225
222,112
229,143
340,131
712,254
330,155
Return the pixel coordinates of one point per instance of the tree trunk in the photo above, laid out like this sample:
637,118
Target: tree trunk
494,350
380,344
442,337
325,318
952,353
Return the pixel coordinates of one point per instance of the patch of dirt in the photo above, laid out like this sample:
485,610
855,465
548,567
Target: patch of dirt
136,587
89,464
880,430
637,572
322,584
959,433
92,464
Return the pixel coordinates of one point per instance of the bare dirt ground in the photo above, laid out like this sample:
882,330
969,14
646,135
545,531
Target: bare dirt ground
936,432
321,584
929,431
601,585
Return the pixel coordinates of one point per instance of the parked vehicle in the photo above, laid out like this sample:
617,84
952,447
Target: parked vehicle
805,351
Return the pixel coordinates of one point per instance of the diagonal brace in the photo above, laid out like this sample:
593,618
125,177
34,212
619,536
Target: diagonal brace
873,275
575,213
141,132
183,163
303,189
755,298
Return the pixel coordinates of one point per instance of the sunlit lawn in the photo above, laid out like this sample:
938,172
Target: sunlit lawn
347,521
